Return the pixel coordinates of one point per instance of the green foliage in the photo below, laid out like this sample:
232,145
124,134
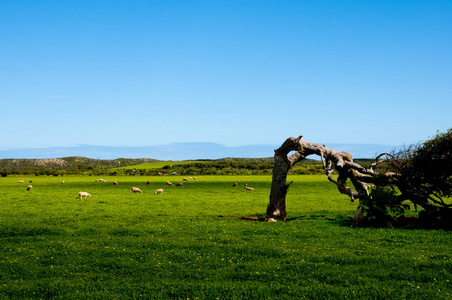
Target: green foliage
382,205
179,245
423,176
430,166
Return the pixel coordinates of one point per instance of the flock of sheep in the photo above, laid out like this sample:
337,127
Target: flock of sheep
136,189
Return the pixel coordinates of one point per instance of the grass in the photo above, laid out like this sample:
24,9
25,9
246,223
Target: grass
181,244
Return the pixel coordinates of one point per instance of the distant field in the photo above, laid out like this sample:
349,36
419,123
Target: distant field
183,244
161,164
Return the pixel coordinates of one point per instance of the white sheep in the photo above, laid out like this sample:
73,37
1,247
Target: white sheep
169,183
248,188
62,182
83,194
115,182
136,190
185,179
29,188
159,191
21,181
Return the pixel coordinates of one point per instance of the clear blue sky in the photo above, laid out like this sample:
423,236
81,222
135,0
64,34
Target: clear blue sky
140,73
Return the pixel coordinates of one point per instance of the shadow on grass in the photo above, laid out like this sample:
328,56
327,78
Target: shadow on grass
402,222
254,219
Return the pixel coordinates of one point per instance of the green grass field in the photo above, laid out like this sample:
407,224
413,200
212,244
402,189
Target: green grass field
182,245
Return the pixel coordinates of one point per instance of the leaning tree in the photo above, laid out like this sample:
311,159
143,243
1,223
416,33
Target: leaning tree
420,174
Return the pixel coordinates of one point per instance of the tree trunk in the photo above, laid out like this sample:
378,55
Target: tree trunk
276,209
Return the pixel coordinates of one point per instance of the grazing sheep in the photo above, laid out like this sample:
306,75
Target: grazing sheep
235,184
180,184
29,188
169,183
148,182
102,180
190,178
358,217
62,182
115,182
83,194
248,188
136,190
195,178
159,191
185,179
21,181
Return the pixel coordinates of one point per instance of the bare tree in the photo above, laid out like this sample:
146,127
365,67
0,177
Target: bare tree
408,175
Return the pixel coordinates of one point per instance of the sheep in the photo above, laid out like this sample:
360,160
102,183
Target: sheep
136,190
29,188
21,181
180,184
194,178
83,194
185,179
190,178
235,184
62,182
159,191
358,217
169,183
248,188
115,182
148,182
102,180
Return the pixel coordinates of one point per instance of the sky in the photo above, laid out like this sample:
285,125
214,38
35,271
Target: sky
144,73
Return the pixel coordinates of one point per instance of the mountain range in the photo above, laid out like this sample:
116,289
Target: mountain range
179,151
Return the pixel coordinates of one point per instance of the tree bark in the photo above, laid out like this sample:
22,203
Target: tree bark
276,209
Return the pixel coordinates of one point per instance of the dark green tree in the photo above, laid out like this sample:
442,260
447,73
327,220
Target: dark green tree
420,174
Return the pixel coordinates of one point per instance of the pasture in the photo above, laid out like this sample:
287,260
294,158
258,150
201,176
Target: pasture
183,244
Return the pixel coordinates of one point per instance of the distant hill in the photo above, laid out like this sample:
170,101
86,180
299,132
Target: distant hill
179,151
69,163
